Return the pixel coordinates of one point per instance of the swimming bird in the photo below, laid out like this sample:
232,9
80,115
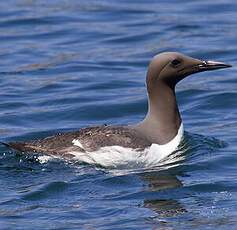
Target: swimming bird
145,143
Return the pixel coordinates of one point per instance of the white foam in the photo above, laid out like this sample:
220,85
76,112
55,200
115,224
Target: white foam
120,157
44,159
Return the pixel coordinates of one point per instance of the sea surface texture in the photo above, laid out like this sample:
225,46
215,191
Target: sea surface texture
70,64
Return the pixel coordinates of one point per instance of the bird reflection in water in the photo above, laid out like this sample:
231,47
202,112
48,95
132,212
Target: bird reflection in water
158,182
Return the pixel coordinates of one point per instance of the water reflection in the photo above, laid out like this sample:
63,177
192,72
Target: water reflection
158,182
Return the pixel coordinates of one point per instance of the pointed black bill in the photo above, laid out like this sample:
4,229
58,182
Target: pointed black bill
212,65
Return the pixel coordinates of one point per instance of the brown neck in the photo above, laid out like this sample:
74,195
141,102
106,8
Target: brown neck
163,119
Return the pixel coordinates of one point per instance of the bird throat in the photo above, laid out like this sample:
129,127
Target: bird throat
163,120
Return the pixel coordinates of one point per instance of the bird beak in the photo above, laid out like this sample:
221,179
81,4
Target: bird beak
212,65
197,66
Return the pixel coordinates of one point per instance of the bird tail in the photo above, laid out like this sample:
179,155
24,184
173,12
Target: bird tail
5,144
15,145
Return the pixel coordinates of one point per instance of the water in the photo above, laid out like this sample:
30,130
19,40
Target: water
70,64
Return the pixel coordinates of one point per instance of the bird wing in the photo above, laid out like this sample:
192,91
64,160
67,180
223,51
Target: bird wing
85,140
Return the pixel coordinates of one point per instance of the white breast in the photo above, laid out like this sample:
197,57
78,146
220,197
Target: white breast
120,157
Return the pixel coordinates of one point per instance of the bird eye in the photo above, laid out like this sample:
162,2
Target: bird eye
175,62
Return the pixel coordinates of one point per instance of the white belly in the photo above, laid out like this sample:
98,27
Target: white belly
120,157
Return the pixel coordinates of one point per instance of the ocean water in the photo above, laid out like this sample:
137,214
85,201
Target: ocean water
70,64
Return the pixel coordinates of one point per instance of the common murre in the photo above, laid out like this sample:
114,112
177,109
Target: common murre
145,143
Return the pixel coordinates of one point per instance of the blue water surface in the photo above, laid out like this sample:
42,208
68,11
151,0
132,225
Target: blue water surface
70,64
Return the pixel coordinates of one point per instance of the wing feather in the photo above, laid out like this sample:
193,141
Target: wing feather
90,139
